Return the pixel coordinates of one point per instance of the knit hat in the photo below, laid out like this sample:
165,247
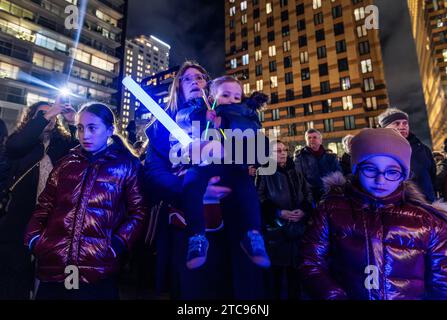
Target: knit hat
391,115
381,142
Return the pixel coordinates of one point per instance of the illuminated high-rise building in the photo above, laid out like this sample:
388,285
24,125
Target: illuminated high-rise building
37,47
429,26
318,60
144,57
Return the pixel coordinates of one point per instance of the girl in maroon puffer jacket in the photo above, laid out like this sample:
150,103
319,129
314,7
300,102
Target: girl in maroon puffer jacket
376,237
90,211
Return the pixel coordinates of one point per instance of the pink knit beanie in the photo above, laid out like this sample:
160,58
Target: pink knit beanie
380,142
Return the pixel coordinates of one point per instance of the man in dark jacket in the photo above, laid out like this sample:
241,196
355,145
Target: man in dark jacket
315,162
423,166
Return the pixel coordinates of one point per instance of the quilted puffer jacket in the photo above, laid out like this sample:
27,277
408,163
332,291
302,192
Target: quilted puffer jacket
86,206
359,247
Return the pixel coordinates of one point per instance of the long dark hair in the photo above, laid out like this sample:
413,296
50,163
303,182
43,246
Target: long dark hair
29,113
107,116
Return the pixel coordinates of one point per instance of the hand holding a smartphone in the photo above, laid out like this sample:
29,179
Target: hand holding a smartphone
55,109
68,112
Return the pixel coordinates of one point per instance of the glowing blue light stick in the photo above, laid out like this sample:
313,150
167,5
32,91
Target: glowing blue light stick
157,111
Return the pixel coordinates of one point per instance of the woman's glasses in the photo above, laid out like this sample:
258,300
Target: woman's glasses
196,77
373,172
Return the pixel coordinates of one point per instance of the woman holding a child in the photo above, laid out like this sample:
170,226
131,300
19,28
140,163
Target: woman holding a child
228,271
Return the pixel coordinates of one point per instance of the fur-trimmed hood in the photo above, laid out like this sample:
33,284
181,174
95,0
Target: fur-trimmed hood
337,184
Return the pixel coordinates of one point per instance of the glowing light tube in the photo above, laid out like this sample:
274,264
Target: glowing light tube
157,111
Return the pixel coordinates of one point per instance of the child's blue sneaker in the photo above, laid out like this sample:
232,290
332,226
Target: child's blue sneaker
253,246
197,251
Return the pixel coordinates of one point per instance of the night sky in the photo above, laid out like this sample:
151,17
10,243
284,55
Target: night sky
195,30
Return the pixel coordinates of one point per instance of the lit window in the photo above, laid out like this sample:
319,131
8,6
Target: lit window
243,5
347,103
50,43
245,59
371,103
304,57
8,70
369,84
268,8
359,13
232,11
246,88
316,4
101,15
345,83
81,55
373,122
32,98
366,66
259,85
286,45
233,63
258,55
244,19
362,31
273,81
276,131
272,51
257,26
47,62
102,64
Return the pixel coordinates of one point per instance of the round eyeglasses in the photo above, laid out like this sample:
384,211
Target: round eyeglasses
373,172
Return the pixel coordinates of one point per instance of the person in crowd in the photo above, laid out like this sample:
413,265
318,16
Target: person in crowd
252,171
441,174
228,273
90,212
376,237
423,166
439,157
345,161
296,151
3,132
33,149
286,201
315,162
4,169
232,113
